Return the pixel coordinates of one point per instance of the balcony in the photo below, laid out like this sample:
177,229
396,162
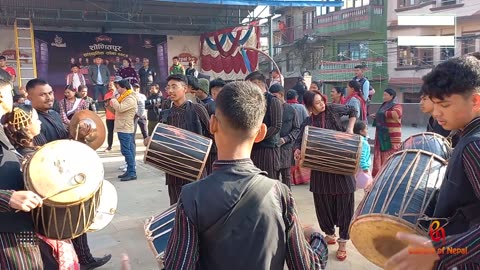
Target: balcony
353,20
341,71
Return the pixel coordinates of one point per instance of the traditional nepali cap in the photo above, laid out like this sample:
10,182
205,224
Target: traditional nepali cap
136,85
204,85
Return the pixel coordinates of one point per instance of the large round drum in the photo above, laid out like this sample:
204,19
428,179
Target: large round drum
430,142
68,176
106,207
330,151
158,230
178,152
404,193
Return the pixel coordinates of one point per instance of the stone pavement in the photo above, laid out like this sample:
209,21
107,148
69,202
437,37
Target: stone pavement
148,196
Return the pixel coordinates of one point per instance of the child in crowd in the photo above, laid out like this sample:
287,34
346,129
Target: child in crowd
363,176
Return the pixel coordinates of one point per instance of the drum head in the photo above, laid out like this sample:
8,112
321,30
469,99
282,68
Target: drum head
374,236
64,172
106,208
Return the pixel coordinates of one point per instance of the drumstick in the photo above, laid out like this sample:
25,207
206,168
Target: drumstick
63,190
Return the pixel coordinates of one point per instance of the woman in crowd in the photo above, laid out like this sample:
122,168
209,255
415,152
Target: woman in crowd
71,104
333,194
21,125
355,99
127,72
109,116
388,132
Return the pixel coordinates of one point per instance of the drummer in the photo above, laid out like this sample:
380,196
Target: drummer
454,87
21,126
274,236
426,106
333,194
181,110
19,248
40,93
266,154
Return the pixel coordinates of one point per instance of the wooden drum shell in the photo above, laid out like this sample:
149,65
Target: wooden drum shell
178,152
330,151
158,230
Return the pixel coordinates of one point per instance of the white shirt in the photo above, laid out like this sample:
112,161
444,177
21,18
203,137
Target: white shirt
76,81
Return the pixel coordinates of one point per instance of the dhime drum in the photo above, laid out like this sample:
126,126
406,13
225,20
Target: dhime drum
430,142
68,176
106,207
178,152
158,230
330,151
401,200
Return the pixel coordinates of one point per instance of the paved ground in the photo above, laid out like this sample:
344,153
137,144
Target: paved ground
148,196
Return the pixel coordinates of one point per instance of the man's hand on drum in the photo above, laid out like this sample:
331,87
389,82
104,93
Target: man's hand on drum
297,155
419,255
25,200
84,129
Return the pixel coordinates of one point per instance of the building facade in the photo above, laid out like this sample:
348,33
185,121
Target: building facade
329,42
407,64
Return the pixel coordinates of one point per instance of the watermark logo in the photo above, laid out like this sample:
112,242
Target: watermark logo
437,234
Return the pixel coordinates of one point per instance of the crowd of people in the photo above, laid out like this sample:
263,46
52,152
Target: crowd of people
257,129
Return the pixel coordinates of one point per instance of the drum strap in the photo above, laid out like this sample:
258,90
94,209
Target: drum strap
251,199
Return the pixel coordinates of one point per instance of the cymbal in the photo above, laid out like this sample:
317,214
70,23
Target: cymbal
97,132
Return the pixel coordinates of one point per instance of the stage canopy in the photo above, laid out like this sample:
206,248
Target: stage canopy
282,3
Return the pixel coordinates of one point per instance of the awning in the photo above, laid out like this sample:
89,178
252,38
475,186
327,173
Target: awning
280,3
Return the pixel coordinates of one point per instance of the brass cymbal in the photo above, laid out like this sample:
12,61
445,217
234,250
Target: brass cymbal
96,133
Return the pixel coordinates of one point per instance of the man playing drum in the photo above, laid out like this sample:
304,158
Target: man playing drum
262,231
19,248
185,115
266,153
40,93
454,88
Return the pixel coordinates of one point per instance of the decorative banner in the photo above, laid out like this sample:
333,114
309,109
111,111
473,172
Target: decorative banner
221,56
57,51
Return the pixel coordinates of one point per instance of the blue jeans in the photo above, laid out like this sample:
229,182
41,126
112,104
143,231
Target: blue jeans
99,90
127,148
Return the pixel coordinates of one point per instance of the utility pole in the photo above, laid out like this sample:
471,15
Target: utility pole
270,39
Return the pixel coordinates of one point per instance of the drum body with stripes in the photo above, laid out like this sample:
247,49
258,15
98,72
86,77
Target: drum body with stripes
158,230
430,142
402,198
330,151
68,176
178,152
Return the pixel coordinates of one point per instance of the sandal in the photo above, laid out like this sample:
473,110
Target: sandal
341,255
330,239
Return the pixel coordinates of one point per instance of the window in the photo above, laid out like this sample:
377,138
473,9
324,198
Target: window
290,62
352,51
412,56
447,2
446,53
308,19
411,95
410,3
468,44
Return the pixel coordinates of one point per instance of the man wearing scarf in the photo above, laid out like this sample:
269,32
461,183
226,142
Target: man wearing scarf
388,134
40,93
125,106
